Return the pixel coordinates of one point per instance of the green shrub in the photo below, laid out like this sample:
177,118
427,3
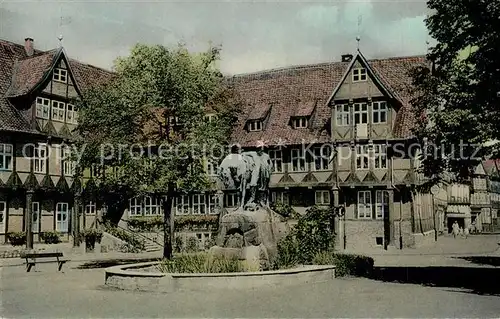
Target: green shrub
192,245
201,263
178,244
146,224
323,258
50,237
17,238
92,235
353,265
209,243
288,253
312,234
284,210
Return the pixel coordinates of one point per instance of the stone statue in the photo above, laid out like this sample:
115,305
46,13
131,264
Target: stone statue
248,171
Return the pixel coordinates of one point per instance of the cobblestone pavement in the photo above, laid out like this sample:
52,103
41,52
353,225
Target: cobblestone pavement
81,294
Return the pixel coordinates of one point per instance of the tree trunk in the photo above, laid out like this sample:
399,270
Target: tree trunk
168,224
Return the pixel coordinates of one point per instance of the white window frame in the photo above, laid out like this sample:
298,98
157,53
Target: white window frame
6,156
362,157
35,212
40,158
199,205
58,111
182,206
60,75
62,209
276,157
282,197
42,108
212,204
255,126
361,113
71,114
91,208
67,164
342,114
322,197
3,215
379,110
151,205
359,75
135,207
300,122
364,206
173,121
380,156
381,204
297,160
322,161
230,200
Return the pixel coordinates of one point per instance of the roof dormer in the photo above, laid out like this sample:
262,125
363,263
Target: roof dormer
302,114
257,117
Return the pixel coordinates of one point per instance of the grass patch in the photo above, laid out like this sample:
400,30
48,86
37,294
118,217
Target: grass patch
202,263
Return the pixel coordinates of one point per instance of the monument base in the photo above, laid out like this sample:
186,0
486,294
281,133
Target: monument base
251,236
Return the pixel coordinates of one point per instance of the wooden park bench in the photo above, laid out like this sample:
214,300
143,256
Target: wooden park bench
32,258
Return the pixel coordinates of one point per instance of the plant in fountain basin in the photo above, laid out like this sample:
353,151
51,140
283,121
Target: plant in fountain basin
201,263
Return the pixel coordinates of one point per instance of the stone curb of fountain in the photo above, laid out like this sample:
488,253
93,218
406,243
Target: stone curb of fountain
129,277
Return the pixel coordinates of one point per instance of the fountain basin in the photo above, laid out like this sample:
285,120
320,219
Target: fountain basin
133,277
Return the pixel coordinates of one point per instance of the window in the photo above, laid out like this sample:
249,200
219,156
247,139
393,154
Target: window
58,109
276,157
254,126
71,114
359,74
3,214
280,197
379,112
60,75
6,154
212,204
322,158
42,108
360,113
362,156
230,200
182,205
342,111
212,167
40,159
300,122
152,205
381,204
90,208
209,118
198,204
364,205
298,160
323,197
67,163
380,156
135,207
62,216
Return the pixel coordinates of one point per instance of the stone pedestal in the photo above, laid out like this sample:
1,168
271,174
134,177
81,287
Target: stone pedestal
251,235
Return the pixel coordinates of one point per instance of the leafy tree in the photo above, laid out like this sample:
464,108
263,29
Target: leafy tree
146,129
457,99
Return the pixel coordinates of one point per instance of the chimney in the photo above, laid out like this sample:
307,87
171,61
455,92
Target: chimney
347,57
28,46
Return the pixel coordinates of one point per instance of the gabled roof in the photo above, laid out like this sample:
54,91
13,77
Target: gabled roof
20,75
370,72
285,88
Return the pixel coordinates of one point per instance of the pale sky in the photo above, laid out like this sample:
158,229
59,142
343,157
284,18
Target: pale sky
255,35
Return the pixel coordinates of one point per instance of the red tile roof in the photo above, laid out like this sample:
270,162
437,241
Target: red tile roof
19,74
287,88
259,111
304,108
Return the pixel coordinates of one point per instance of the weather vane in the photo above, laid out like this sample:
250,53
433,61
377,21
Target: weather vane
358,37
